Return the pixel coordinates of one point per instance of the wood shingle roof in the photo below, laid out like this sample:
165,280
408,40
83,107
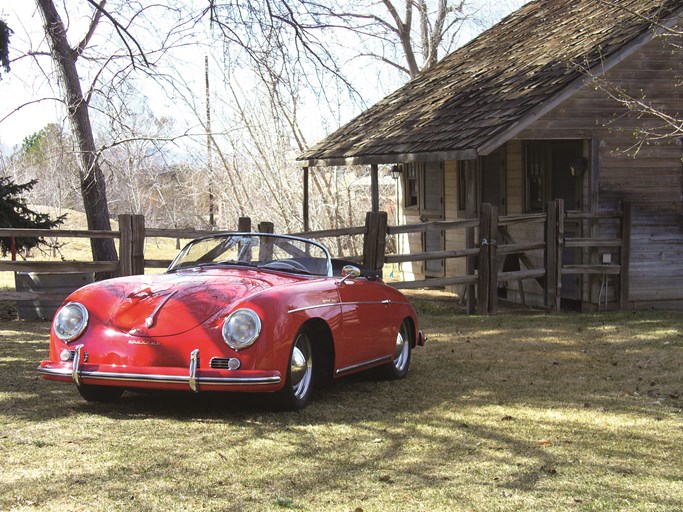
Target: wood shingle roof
481,94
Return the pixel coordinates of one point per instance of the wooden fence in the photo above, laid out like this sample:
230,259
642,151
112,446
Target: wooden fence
489,243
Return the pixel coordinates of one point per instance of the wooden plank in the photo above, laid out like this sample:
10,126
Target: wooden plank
518,275
591,269
187,234
330,233
57,233
14,296
576,215
426,256
434,283
433,226
519,248
157,263
59,266
510,220
592,242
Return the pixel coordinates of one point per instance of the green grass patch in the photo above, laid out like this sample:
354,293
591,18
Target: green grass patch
514,412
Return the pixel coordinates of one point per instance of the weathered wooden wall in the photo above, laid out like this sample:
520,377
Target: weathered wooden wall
651,177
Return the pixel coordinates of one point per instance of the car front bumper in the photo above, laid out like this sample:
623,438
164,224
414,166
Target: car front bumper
192,377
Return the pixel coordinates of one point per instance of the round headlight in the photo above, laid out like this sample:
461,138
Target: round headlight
70,321
241,328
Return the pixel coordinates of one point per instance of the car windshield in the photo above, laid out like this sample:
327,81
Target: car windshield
272,252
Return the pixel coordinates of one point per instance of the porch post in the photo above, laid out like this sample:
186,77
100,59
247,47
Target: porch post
374,187
470,171
307,226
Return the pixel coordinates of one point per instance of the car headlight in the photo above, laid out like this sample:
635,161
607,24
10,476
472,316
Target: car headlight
241,328
70,321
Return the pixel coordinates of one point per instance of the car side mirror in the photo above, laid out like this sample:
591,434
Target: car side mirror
349,272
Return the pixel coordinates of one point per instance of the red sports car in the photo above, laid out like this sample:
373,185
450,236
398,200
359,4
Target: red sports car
234,312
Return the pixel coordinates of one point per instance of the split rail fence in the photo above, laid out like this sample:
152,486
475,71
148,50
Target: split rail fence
488,244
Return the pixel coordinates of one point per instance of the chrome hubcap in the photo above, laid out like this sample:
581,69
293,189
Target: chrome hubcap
301,367
401,352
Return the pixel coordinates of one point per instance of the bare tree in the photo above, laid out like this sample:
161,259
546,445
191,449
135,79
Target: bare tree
89,73
92,180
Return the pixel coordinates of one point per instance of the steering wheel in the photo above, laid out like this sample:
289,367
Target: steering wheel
285,265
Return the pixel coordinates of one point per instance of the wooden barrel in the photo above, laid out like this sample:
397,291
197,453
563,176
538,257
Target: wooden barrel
52,288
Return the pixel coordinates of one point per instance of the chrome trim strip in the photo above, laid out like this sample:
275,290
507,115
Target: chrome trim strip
75,372
316,306
365,364
194,364
169,379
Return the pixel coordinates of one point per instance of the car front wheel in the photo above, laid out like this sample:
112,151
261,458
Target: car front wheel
298,387
400,364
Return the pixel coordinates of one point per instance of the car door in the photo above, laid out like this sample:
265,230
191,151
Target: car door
366,324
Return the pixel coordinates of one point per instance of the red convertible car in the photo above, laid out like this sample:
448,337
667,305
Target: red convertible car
234,312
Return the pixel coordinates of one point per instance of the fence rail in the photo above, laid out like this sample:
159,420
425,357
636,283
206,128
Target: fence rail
486,255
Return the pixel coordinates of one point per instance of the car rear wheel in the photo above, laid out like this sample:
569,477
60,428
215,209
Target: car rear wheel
99,393
400,364
298,387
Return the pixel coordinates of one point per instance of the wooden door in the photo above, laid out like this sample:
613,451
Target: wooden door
432,209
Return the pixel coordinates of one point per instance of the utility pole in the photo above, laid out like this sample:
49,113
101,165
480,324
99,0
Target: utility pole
209,161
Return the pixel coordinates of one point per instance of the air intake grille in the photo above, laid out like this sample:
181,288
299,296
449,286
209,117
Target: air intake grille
224,363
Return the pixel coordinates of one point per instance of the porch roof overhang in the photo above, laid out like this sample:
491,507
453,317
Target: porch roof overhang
371,159
487,92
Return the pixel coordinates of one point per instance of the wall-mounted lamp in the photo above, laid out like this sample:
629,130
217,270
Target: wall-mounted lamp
395,172
578,167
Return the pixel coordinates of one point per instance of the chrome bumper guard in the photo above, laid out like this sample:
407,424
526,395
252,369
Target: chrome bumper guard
192,379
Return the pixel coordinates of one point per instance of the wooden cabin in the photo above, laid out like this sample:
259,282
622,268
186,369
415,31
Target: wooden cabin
534,109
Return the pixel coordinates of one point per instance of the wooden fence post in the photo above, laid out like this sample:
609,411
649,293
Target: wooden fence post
266,247
551,256
625,256
266,227
493,261
244,225
484,262
488,265
132,245
374,243
554,243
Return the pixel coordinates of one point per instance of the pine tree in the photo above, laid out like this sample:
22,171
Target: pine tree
5,33
14,213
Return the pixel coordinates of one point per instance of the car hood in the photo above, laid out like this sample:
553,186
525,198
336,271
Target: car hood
168,304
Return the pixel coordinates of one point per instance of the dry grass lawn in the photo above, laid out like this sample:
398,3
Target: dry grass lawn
516,412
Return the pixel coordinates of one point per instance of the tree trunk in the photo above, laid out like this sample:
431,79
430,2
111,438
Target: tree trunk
93,187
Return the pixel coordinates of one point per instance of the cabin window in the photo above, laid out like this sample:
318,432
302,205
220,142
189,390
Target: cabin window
432,199
462,187
410,176
535,178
